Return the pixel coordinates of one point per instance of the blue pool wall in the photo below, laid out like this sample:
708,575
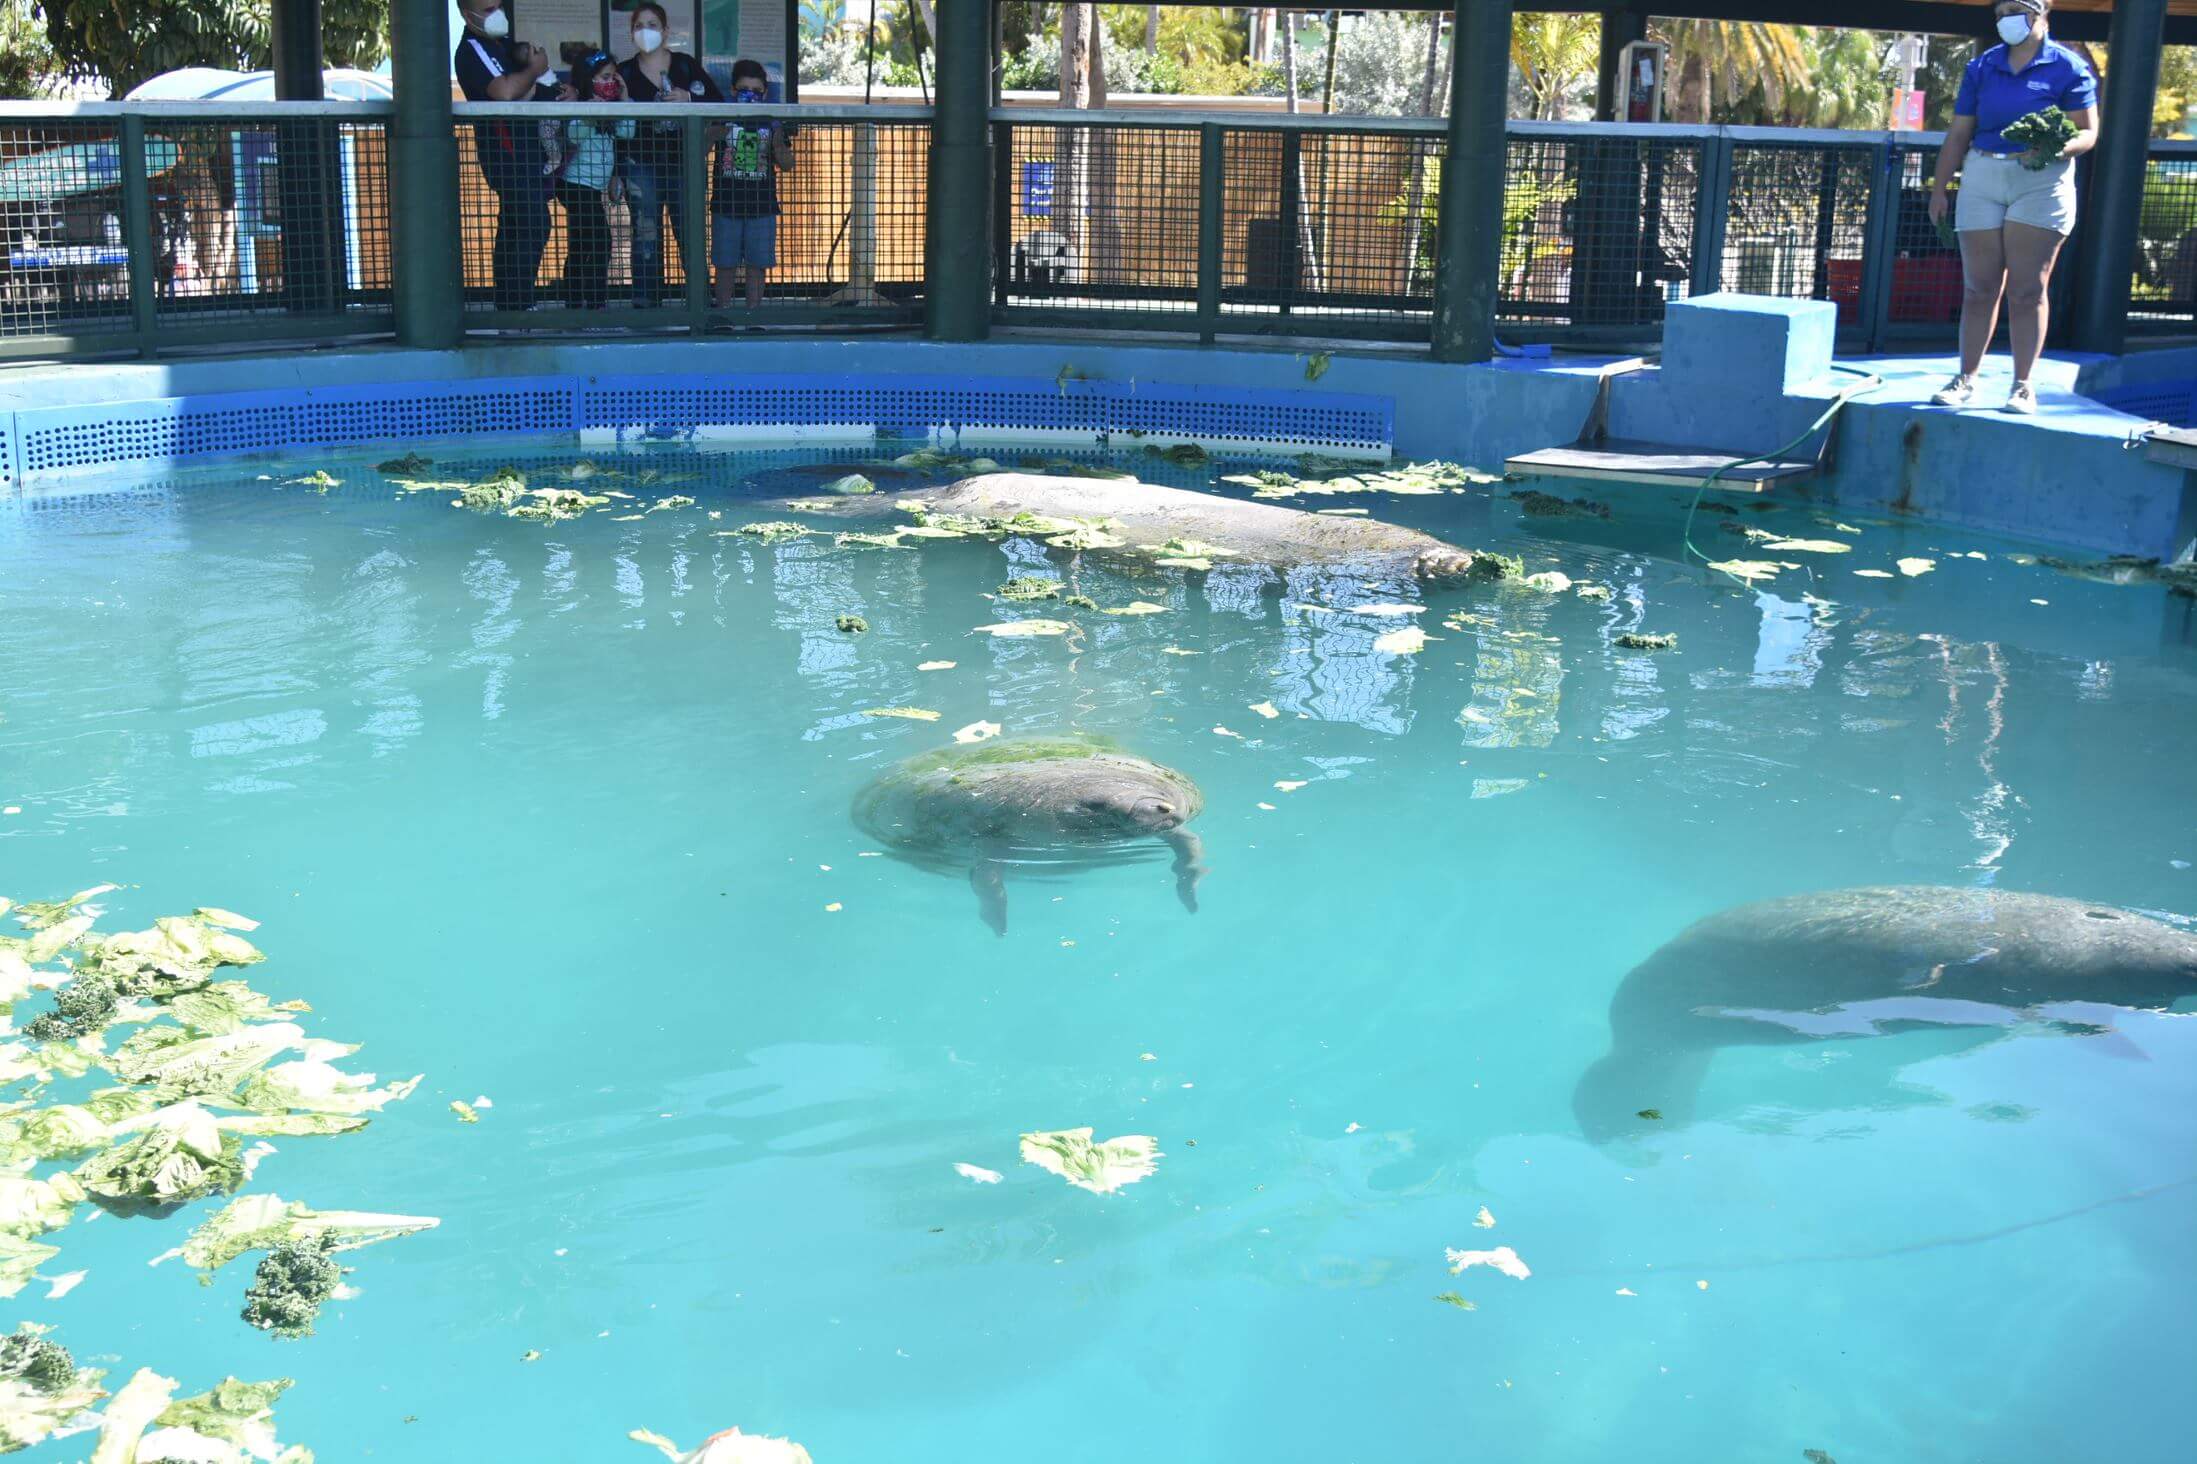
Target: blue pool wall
2066,476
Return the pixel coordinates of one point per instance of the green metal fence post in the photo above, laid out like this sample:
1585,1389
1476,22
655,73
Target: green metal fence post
137,229
1469,247
1212,159
2117,176
1712,210
1880,243
423,179
695,218
957,284
308,165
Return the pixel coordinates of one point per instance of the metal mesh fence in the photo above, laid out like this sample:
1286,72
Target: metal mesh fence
1099,218
581,208
67,269
1798,222
262,215
1597,231
2164,293
1925,287
1326,230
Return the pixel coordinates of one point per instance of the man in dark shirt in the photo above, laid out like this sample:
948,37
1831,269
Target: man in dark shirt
492,67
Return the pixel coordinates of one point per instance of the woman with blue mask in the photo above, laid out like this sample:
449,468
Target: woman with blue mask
2017,198
655,181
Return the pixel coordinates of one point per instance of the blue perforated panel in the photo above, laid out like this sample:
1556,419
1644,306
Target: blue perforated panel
186,427
2171,402
901,405
58,439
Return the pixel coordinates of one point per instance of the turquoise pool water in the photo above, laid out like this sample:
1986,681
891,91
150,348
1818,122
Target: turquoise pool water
558,815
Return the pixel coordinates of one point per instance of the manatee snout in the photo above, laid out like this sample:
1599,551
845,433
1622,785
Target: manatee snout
1156,815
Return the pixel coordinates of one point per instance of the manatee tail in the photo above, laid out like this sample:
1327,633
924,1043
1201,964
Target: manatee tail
989,879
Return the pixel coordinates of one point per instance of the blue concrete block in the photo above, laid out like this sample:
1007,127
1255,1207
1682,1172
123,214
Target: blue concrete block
1747,343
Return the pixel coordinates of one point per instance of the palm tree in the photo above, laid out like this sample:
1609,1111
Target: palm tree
1554,53
1718,62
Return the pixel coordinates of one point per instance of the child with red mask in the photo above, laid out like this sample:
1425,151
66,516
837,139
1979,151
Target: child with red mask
587,182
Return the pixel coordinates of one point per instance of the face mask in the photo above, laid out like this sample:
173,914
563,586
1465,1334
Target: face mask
606,91
2013,29
745,94
495,23
648,39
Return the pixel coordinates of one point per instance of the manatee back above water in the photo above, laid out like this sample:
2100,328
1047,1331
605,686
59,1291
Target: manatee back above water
1915,953
1148,515
1052,800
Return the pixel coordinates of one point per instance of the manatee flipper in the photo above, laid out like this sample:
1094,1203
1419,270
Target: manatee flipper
988,877
1189,865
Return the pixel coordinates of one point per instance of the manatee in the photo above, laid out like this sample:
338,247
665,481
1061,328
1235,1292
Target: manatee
1032,801
1147,516
1858,962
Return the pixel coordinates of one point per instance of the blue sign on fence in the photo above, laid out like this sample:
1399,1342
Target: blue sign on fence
1037,190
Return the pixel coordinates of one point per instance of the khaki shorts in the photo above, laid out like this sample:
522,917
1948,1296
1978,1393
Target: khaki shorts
1995,189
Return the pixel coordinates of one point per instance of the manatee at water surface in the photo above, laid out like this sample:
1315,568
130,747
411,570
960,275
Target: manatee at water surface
1857,961
1031,800
1147,516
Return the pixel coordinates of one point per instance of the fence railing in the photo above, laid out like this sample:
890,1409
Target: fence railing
136,227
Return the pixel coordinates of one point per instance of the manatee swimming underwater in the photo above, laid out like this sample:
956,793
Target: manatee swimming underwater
1863,961
1148,515
1032,800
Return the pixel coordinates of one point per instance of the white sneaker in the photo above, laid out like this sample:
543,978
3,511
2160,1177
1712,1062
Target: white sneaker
2022,401
1955,393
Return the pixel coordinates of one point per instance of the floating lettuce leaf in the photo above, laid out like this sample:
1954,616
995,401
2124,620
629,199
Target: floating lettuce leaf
1186,454
261,1222
1502,1258
42,914
1100,1168
553,505
729,1447
909,714
1548,581
669,501
1315,365
851,625
19,1263
309,1085
410,465
81,1006
776,531
851,485
128,1414
1640,640
1405,642
235,1414
181,1062
1019,629
29,1207
1029,587
179,1155
888,540
227,1006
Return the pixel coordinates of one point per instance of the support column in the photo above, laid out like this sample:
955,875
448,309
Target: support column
423,178
309,167
1469,250
2108,221
1620,28
957,284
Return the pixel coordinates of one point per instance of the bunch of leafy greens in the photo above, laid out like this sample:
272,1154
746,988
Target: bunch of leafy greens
2043,133
177,1071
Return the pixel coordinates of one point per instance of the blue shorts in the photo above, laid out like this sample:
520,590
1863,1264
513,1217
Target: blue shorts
752,242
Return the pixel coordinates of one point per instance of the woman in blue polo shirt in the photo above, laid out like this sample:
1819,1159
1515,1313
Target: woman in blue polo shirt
2014,210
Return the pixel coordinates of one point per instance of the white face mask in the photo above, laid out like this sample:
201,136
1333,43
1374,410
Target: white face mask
2013,29
648,38
495,23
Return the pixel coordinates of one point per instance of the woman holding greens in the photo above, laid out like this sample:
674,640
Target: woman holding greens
2026,110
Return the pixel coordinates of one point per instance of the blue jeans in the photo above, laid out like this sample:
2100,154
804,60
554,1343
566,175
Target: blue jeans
652,188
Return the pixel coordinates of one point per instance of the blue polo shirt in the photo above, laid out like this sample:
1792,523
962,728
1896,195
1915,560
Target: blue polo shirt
1997,96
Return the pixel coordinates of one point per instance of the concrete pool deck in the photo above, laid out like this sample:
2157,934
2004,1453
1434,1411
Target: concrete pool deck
2073,474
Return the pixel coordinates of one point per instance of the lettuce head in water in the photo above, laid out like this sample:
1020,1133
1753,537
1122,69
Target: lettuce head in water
729,1447
1100,1168
43,1393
